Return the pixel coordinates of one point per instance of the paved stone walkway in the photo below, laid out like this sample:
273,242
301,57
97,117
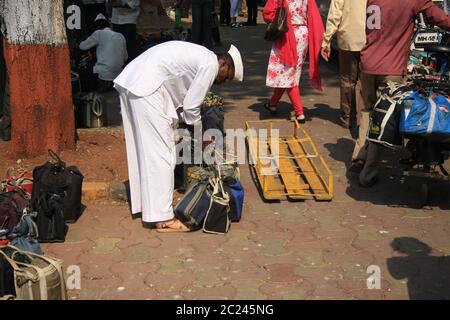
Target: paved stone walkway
286,250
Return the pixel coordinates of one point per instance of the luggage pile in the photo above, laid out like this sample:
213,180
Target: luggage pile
213,200
419,108
36,208
214,196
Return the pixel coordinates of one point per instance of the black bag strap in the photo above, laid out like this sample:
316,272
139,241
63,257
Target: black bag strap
57,159
47,203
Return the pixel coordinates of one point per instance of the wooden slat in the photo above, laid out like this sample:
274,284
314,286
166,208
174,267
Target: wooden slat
316,185
271,189
289,173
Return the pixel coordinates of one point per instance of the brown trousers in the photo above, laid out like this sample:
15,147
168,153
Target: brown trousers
371,86
349,75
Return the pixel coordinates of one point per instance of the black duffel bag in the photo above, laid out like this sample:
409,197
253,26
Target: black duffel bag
55,184
385,117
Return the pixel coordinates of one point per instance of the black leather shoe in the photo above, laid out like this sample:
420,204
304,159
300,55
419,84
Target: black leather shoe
272,109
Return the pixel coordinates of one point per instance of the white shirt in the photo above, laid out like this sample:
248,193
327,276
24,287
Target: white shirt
126,15
111,52
185,70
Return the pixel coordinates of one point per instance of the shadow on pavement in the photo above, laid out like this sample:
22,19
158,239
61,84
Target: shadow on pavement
428,276
393,189
324,112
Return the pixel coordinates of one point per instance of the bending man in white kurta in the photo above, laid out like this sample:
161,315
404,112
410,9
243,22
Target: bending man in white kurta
162,86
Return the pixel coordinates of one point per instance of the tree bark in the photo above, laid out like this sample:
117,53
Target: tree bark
38,63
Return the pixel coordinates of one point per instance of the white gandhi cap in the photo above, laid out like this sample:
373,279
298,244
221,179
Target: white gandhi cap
238,66
100,16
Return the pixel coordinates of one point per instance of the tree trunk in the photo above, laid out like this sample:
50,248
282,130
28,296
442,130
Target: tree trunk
38,63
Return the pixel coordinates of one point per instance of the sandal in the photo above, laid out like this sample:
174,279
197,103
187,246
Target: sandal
174,225
300,118
272,109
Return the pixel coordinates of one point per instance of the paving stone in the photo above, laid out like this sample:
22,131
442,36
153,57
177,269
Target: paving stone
248,290
96,289
170,287
327,290
76,235
297,290
133,271
105,245
282,272
264,260
348,260
274,247
336,235
98,266
171,265
238,238
250,271
139,253
369,232
208,278
133,240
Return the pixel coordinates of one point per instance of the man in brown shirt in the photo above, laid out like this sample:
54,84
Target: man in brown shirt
389,31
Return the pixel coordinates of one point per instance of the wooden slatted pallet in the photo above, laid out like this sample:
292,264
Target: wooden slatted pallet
288,166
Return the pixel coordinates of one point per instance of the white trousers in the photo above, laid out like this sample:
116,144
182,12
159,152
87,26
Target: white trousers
150,145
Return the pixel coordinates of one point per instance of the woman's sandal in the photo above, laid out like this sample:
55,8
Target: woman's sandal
272,109
300,118
174,225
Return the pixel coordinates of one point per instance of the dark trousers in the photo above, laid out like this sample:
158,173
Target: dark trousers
252,11
349,76
215,30
225,12
202,22
371,85
130,34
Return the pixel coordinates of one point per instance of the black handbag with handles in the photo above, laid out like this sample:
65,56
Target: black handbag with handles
54,183
279,25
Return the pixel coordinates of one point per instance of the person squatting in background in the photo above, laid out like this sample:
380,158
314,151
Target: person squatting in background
111,52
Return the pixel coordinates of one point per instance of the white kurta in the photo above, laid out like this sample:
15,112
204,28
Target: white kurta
174,75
